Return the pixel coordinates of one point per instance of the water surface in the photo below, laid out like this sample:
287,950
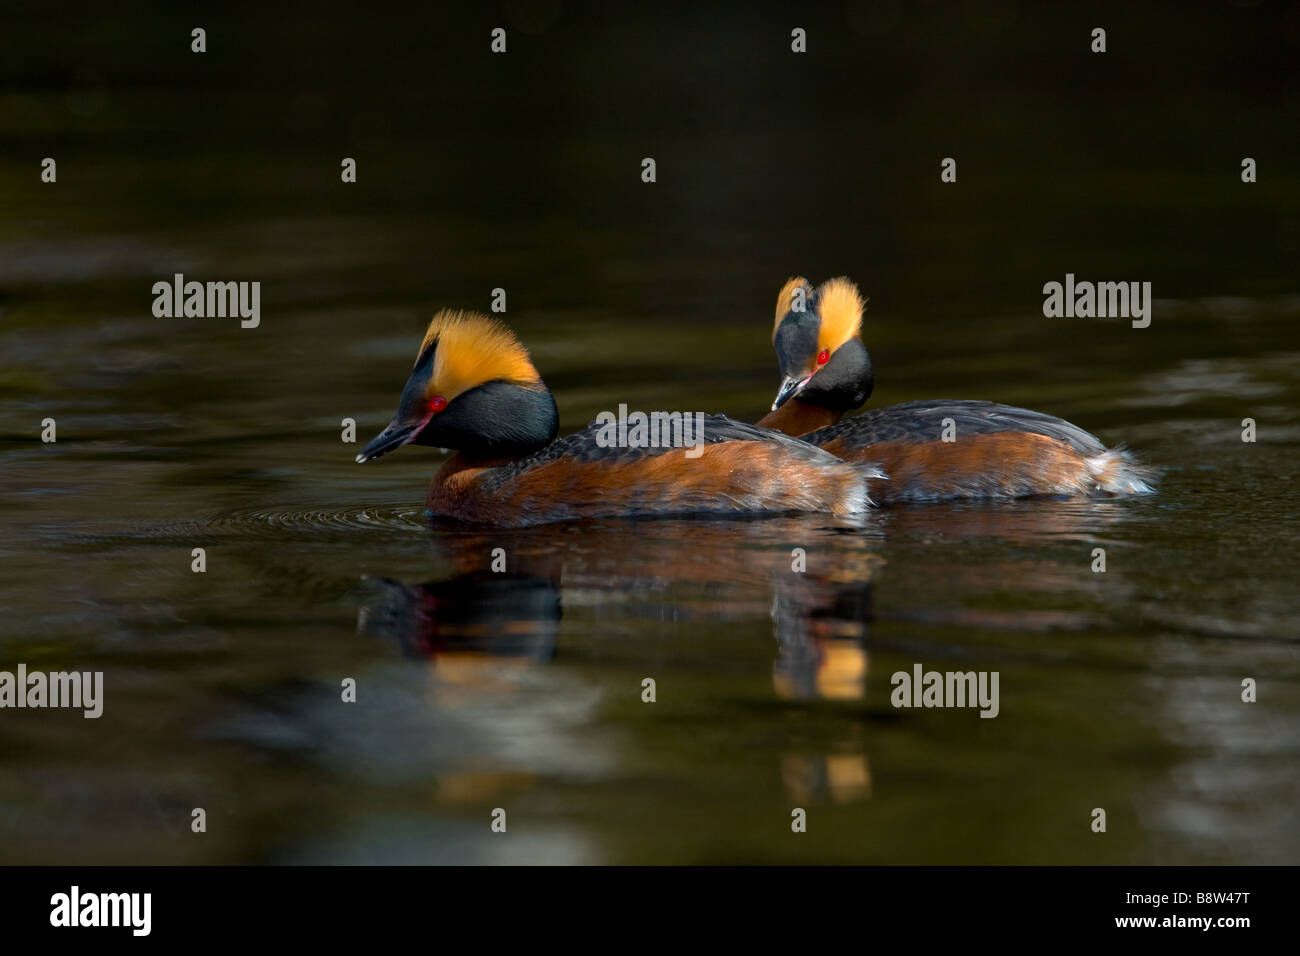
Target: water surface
523,690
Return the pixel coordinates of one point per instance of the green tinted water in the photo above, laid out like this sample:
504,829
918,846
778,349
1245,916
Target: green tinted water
523,691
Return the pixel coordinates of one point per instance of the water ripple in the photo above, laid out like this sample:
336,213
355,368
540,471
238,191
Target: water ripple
279,520
259,523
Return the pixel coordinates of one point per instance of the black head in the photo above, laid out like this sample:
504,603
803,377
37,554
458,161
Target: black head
844,383
819,349
474,389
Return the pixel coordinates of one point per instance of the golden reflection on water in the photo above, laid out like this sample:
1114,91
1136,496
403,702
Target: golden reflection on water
837,777
499,614
820,607
481,629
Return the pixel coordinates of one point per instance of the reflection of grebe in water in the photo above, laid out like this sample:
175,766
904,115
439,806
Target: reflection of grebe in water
822,627
502,615
502,602
481,631
714,571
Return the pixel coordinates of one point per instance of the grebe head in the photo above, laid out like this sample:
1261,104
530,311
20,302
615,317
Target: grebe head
474,389
819,347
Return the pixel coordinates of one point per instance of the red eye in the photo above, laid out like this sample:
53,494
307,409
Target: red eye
823,356
437,404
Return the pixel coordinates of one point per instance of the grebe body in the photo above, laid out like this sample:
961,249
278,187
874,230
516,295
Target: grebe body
932,450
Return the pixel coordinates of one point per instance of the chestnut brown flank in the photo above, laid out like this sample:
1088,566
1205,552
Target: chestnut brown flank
740,476
1001,464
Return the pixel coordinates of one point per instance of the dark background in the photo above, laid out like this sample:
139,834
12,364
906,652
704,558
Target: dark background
1123,164
522,171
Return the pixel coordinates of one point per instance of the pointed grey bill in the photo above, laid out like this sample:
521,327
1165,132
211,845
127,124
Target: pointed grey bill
394,436
789,388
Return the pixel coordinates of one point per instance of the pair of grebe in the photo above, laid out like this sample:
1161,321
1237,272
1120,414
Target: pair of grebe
474,389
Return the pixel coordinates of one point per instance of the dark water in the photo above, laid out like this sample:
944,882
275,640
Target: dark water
522,690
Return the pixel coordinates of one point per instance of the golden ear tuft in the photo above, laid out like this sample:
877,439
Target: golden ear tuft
473,349
785,299
840,306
